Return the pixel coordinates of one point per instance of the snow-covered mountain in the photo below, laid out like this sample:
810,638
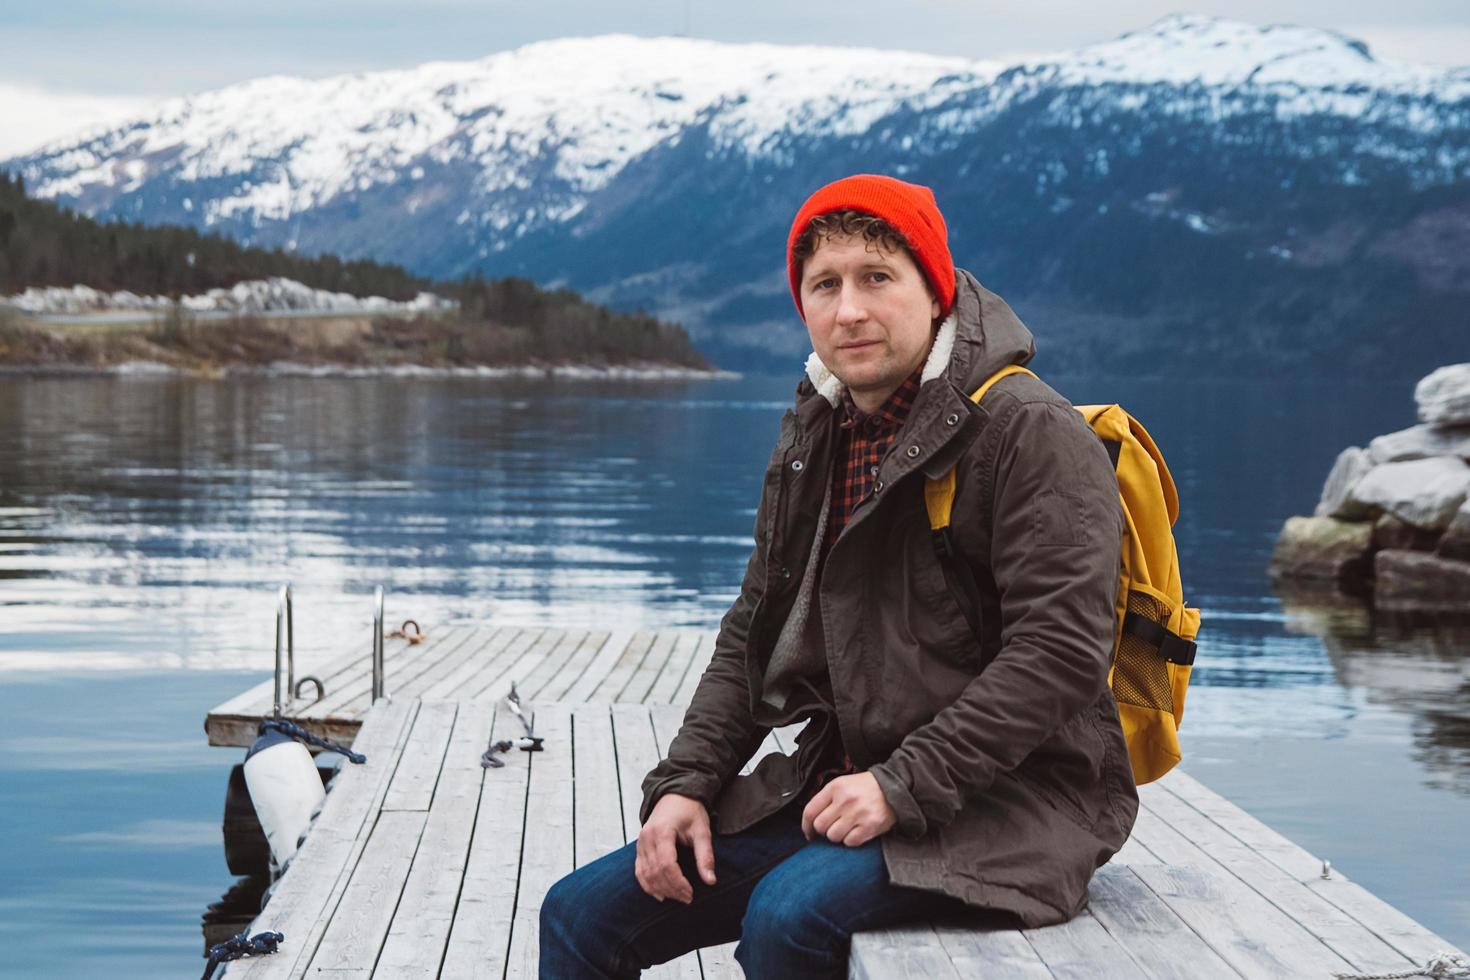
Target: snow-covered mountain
1194,175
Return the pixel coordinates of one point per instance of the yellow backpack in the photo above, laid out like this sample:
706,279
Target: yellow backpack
1154,648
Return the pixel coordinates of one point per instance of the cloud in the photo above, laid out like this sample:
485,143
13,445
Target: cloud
31,116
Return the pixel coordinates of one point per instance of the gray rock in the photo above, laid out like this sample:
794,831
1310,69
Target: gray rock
1323,549
1392,534
1456,541
1420,442
1443,396
1422,492
1415,580
1351,466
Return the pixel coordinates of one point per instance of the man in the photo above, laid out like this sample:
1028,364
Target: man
962,747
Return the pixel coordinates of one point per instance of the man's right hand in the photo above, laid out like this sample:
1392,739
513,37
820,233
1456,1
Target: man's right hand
675,820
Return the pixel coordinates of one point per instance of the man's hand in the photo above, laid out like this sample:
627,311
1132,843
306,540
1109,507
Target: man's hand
675,820
849,810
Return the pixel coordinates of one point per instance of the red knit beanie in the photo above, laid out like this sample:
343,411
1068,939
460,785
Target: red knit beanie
910,208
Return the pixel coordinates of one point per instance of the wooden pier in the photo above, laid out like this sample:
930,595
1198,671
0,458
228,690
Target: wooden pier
424,864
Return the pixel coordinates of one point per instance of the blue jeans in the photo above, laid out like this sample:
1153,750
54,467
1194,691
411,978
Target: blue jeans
793,904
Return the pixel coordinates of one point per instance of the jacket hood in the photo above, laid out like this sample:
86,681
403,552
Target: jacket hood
980,336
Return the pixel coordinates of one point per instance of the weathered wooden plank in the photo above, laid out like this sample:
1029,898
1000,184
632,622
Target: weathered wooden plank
234,722
1245,929
356,680
1133,852
580,688
547,852
360,922
1411,939
525,660
786,736
992,952
354,693
667,720
1162,944
891,954
419,933
697,665
598,815
412,678
482,659
304,899
576,666
718,962
672,675
413,784
239,731
419,684
479,938
337,666
1082,949
649,669
627,663
637,753
684,967
530,686
1348,937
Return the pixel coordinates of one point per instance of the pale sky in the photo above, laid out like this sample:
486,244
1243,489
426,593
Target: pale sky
65,64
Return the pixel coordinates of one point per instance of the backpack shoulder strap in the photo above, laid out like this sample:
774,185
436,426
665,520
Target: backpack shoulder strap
939,494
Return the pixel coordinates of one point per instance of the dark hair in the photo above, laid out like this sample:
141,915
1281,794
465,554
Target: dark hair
835,224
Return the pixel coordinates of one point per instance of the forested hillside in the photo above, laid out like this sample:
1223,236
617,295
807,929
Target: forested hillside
42,244
499,322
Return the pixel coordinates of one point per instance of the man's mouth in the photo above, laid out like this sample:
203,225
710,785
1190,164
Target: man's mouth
858,345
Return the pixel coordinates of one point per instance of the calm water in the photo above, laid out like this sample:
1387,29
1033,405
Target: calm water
145,523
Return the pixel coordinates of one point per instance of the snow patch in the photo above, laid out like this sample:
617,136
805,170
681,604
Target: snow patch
275,295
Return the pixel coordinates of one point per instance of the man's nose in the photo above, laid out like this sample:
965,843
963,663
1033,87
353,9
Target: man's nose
850,308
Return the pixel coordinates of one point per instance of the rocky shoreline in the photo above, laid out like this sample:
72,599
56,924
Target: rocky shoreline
1393,524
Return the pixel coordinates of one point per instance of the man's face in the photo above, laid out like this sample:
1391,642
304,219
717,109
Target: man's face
870,315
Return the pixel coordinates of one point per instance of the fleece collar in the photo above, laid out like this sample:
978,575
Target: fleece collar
830,388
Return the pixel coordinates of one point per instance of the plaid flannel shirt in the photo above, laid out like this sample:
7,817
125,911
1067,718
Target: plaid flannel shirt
864,442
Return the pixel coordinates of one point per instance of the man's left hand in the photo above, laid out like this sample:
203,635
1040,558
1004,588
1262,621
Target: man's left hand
850,810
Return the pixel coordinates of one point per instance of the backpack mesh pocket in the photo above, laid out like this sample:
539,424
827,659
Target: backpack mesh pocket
1140,672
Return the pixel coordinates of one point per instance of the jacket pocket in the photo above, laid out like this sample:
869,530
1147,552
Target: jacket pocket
937,615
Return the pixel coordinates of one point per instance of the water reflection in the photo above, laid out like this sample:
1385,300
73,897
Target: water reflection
137,509
1414,663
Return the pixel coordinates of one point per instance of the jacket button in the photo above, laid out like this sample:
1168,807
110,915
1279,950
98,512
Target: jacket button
878,487
953,419
785,572
913,451
797,465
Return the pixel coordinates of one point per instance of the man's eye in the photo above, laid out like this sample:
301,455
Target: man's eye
826,283
880,277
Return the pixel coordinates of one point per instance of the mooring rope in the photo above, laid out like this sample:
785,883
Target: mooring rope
1441,966
401,633
240,946
297,732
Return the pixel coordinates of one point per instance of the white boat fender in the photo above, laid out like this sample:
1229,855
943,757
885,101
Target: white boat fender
284,786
